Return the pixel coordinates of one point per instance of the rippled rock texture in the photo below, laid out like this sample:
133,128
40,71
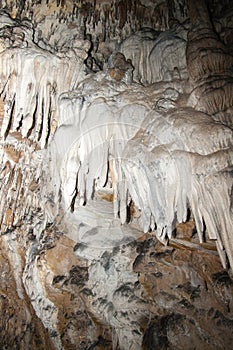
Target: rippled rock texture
116,175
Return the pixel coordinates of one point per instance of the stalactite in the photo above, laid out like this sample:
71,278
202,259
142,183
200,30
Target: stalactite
108,146
32,80
167,159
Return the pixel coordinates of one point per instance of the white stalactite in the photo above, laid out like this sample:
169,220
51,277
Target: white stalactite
165,162
140,143
32,80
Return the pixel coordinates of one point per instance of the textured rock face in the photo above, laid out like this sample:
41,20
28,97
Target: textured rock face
116,175
211,77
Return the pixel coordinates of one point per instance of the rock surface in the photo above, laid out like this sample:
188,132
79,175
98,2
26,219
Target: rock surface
116,175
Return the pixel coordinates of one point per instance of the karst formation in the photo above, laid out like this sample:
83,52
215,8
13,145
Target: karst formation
116,227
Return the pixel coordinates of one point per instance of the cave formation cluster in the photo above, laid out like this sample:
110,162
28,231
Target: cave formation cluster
116,174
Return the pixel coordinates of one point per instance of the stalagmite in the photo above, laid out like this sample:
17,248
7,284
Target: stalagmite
209,63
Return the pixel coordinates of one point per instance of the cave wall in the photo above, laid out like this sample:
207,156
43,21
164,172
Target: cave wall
116,174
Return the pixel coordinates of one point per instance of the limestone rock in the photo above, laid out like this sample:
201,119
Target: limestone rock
116,175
